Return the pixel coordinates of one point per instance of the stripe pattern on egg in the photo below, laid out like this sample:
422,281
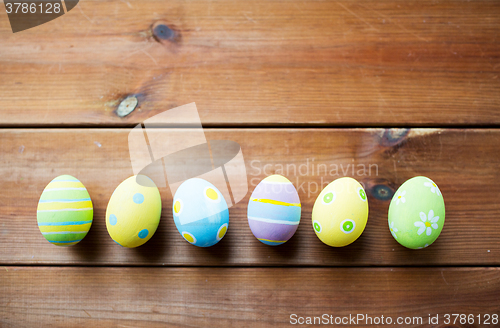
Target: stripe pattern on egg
65,211
274,210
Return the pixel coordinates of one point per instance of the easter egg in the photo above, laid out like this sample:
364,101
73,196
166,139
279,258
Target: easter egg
65,211
200,212
416,213
134,211
340,212
274,210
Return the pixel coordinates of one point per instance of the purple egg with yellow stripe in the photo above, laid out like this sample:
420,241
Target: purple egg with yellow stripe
65,211
274,210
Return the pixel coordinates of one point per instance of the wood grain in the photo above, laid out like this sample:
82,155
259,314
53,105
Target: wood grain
464,163
328,63
251,297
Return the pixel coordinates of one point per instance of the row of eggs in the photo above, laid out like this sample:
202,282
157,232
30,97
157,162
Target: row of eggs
201,215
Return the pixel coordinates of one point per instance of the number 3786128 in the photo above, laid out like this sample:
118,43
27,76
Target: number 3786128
484,319
33,8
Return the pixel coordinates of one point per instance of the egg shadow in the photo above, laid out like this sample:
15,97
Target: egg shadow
219,253
155,249
431,255
350,255
90,248
287,252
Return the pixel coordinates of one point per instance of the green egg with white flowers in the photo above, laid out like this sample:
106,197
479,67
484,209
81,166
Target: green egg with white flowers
416,213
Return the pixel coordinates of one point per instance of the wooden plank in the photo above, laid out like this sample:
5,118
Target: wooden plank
251,297
362,63
464,163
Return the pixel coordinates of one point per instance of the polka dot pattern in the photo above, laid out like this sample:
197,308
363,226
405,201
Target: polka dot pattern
112,219
212,194
134,211
317,226
222,231
343,220
362,194
199,211
138,198
347,226
189,237
144,233
178,206
328,198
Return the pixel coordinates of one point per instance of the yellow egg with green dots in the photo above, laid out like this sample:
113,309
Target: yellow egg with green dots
134,211
340,212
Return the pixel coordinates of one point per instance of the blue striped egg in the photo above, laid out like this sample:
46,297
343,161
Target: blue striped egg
200,212
65,211
274,210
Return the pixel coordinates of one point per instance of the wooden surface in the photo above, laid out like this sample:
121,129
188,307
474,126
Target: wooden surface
404,88
209,297
462,162
357,63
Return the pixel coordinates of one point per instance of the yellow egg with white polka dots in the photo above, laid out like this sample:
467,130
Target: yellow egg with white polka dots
134,211
340,212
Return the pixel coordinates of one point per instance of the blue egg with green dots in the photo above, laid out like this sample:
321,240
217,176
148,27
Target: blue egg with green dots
200,212
134,211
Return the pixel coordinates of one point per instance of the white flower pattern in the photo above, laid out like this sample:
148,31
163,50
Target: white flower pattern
427,223
433,186
393,230
401,197
426,245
